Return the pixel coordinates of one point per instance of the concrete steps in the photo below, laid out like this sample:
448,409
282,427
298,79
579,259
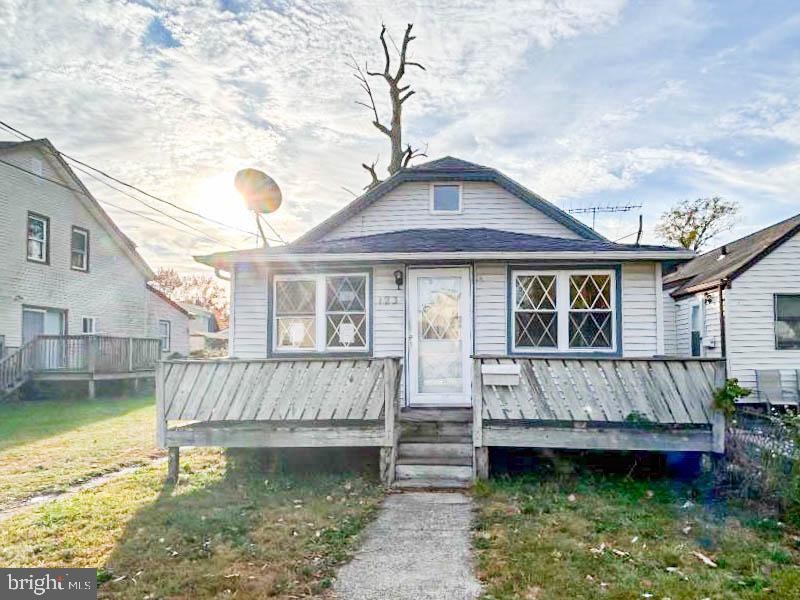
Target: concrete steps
435,449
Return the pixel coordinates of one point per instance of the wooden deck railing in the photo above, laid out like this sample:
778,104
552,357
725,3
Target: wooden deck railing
95,353
624,403
16,367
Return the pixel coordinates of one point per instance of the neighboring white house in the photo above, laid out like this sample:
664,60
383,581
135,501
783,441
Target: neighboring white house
439,263
67,268
168,321
741,301
203,328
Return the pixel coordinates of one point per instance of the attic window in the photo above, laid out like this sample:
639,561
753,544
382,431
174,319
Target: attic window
446,198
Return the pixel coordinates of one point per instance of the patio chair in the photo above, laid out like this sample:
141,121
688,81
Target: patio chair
768,387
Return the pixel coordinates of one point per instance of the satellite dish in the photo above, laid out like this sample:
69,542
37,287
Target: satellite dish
259,191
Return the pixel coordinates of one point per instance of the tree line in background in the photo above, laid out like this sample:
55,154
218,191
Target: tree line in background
693,223
201,290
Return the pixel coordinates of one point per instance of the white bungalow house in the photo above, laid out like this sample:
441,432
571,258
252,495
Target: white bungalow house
741,302
70,277
445,311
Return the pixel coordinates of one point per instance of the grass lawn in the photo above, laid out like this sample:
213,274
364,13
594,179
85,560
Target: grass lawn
221,531
46,446
591,536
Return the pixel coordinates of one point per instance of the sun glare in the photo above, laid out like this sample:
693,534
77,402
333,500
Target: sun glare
217,198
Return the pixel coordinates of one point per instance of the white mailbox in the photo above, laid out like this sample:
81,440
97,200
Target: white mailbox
503,374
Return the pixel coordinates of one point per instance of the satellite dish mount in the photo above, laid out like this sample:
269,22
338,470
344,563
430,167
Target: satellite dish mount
261,194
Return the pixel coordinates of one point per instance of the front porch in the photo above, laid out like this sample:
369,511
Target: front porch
569,403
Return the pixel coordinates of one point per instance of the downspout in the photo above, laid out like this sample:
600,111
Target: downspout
723,284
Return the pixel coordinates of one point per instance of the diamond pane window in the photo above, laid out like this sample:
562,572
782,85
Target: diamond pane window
295,307
590,316
561,311
346,311
535,319
321,312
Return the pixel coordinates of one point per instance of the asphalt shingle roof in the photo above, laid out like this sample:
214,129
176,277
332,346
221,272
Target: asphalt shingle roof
709,269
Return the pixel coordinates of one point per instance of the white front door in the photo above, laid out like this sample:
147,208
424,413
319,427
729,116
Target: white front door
439,337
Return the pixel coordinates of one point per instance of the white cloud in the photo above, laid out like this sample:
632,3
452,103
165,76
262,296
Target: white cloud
574,98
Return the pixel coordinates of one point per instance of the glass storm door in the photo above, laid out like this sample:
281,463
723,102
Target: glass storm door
439,337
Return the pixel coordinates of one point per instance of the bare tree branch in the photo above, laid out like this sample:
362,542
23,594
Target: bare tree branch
371,170
398,94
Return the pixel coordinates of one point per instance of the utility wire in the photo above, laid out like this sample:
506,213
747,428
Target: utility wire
151,207
141,191
82,193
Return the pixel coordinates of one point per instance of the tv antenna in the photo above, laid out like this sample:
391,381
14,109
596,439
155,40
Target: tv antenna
261,194
603,209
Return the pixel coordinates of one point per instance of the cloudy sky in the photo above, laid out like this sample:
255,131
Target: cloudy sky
600,102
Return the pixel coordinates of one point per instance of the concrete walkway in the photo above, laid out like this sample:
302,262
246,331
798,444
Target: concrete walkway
418,548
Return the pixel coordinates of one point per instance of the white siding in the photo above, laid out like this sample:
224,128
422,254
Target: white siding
388,316
113,291
670,338
711,342
159,309
483,205
749,315
639,314
490,308
248,329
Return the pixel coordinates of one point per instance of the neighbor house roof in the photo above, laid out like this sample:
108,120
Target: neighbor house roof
48,150
465,243
449,169
167,299
727,262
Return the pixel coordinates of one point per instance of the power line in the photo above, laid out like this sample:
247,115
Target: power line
82,193
151,207
141,191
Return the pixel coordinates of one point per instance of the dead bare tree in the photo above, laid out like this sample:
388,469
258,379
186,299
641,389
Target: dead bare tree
398,94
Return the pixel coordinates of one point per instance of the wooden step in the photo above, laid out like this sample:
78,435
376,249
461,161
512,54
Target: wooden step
435,449
456,461
436,439
433,472
435,429
438,415
431,484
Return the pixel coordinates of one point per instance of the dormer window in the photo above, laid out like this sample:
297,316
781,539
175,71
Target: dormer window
445,198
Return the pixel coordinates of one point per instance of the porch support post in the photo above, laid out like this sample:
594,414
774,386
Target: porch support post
388,453
161,413
718,418
92,390
173,464
480,456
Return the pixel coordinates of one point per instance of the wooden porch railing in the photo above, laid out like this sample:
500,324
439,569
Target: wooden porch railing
626,403
315,402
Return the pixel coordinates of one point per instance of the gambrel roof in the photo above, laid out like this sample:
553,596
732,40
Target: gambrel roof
450,169
727,262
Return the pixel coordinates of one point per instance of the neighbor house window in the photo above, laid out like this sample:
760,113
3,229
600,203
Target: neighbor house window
321,312
445,198
38,238
787,321
89,325
560,311
165,334
80,249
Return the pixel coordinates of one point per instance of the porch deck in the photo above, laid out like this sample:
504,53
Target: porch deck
611,404
87,358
